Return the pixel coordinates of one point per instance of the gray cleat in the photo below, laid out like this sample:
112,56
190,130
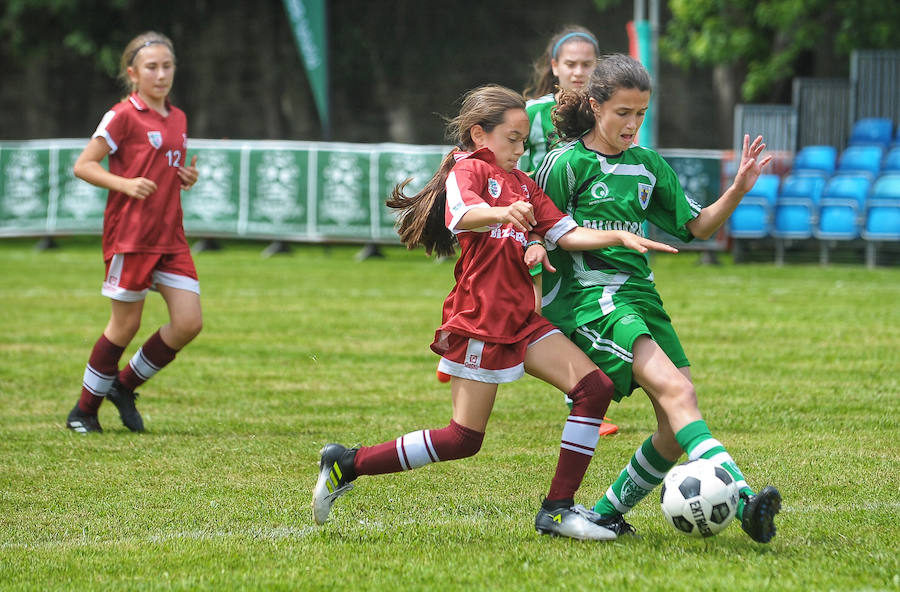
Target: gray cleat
335,476
569,522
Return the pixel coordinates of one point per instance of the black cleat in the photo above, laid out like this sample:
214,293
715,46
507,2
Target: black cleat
81,422
759,514
335,475
123,399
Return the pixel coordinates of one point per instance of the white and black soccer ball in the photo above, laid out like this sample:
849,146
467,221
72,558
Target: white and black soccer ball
699,498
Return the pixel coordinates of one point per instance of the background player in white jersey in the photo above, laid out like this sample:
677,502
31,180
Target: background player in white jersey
605,181
490,332
566,64
144,246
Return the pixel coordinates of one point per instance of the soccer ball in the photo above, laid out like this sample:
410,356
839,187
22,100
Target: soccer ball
699,498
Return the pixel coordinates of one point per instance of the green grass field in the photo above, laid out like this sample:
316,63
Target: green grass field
796,369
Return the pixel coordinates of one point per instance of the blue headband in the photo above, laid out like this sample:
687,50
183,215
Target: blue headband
586,36
148,44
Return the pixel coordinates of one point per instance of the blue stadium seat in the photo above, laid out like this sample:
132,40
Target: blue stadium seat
753,216
882,214
886,186
808,185
882,222
842,206
872,130
818,158
891,161
766,186
861,158
853,186
797,207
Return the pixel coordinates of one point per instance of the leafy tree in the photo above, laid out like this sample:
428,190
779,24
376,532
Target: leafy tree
49,29
768,42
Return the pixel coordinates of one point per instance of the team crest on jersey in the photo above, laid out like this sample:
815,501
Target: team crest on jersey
525,192
493,187
644,192
155,139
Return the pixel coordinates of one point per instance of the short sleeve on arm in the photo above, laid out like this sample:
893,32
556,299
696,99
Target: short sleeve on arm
670,209
556,179
110,128
551,222
462,194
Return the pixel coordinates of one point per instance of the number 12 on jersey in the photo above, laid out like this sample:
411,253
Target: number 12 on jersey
174,157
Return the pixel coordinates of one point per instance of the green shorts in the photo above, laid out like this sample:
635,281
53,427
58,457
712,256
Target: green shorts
609,340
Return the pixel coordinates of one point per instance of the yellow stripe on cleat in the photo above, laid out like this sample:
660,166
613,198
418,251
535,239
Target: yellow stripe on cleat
337,470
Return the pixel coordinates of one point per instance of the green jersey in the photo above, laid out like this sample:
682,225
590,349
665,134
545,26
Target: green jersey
542,136
618,192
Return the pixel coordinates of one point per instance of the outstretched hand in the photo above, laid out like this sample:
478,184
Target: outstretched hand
750,167
642,245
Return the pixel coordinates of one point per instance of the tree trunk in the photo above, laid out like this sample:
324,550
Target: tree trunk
727,93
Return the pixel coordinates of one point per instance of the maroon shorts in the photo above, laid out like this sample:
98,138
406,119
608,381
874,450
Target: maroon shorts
495,363
130,275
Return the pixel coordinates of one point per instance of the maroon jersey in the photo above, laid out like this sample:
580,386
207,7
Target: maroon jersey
493,299
143,143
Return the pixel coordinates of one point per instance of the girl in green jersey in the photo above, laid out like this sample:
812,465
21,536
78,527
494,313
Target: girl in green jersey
605,181
567,64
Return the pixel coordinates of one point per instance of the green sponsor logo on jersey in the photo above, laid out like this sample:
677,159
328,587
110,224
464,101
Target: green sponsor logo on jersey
600,194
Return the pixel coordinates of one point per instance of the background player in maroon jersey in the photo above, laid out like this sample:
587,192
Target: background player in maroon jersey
491,333
144,246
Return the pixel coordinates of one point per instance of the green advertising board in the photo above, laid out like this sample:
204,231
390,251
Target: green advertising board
24,189
39,193
396,164
278,190
342,199
78,206
213,205
277,179
700,174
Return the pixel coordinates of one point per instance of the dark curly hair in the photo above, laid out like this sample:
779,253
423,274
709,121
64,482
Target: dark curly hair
573,116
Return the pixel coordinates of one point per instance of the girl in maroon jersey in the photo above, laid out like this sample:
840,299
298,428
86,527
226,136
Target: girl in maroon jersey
144,247
491,333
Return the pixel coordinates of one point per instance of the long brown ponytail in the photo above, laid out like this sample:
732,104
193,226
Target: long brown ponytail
420,217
